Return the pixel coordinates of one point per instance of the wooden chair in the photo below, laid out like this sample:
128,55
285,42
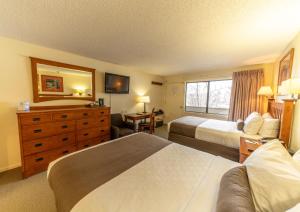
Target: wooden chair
148,126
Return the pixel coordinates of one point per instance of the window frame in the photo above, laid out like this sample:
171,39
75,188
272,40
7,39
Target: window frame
207,98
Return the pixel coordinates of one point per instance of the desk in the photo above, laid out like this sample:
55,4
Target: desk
135,117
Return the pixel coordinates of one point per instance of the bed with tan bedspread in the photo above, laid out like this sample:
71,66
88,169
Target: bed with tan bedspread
140,172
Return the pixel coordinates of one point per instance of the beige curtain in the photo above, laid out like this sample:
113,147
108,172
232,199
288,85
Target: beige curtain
244,98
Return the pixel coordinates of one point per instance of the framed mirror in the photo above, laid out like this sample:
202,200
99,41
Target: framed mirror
55,81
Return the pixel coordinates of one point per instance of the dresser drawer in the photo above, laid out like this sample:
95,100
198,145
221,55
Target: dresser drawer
88,123
88,143
48,143
87,134
104,131
85,114
104,138
92,142
61,116
103,112
30,119
37,131
64,151
64,127
39,162
104,121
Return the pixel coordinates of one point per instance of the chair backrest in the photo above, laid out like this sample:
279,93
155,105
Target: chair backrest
117,119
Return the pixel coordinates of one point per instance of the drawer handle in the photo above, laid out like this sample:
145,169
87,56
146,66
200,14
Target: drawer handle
86,145
102,130
65,152
102,120
85,123
36,119
85,134
64,126
38,145
65,139
39,159
85,114
102,112
64,116
37,131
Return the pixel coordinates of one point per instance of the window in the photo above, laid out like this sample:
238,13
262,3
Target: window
208,97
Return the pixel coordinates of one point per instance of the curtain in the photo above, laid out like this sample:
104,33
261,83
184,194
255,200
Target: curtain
244,98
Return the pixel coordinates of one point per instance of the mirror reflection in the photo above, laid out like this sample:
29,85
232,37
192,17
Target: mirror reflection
59,81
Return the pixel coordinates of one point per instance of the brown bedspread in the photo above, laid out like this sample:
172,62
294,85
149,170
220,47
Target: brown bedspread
75,176
186,125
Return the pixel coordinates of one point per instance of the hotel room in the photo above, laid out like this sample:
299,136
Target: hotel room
142,106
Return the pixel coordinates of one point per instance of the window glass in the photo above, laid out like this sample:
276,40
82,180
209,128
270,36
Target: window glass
208,97
196,96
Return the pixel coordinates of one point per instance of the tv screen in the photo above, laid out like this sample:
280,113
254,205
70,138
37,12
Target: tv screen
116,83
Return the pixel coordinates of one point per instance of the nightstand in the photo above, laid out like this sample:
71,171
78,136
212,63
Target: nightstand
248,145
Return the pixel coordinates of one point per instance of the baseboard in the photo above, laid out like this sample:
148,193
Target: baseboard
13,166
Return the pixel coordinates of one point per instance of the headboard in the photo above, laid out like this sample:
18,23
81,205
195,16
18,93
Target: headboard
283,111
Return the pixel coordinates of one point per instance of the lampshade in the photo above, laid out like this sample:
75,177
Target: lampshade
143,99
265,91
290,86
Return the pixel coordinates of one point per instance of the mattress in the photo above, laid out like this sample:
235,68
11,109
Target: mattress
221,132
211,130
140,172
185,126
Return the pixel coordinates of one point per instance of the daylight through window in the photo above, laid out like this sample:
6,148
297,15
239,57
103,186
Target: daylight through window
208,97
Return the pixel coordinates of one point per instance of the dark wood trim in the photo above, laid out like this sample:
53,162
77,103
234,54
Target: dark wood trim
283,111
291,53
37,98
157,83
287,121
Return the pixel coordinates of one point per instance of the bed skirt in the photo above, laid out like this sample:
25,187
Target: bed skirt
212,148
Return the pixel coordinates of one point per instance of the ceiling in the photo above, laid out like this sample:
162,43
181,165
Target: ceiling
163,37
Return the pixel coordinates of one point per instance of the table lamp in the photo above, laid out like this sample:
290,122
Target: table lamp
292,87
265,91
144,99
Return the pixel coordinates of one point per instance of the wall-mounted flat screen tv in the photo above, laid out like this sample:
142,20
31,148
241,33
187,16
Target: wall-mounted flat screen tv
116,83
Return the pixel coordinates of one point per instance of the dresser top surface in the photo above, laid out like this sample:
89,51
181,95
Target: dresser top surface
19,112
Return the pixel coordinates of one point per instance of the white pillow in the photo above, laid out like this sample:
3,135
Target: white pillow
296,208
296,156
270,128
267,115
274,178
253,123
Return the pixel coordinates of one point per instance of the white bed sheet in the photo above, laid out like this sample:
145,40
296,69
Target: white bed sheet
175,179
221,132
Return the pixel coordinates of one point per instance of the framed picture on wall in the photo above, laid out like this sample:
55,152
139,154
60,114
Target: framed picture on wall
285,67
52,83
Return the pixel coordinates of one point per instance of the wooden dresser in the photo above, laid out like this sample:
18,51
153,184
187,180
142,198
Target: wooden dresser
48,134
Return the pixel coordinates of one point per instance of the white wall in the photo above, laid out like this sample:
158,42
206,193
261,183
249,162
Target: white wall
175,88
295,43
15,86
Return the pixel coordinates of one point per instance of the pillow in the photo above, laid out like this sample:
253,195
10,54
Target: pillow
270,128
267,115
240,124
234,192
274,177
253,123
296,156
296,208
